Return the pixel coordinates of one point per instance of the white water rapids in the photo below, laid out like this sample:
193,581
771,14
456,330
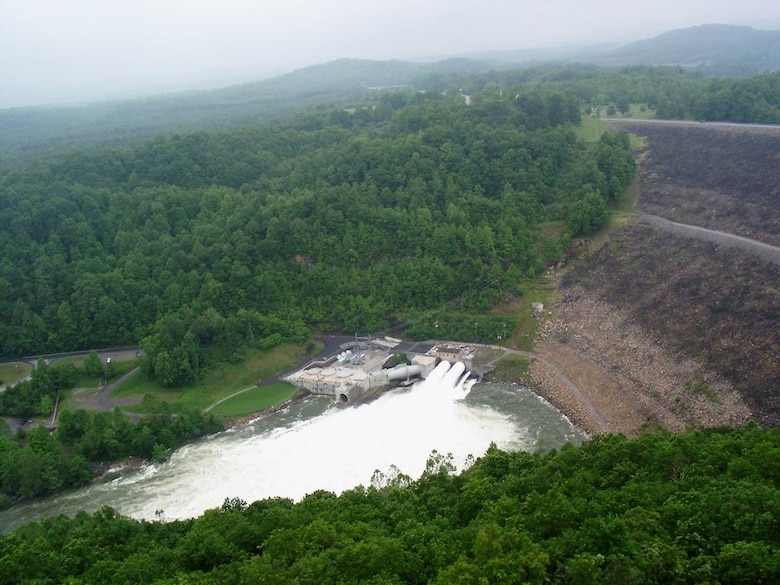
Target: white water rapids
314,445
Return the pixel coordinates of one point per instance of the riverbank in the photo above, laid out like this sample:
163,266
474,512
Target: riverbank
246,419
548,384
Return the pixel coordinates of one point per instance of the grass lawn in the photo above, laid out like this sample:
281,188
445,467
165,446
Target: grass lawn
642,111
254,399
11,373
76,360
589,130
219,382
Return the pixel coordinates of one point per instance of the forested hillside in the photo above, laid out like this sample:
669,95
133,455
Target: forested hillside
37,462
199,244
670,91
41,131
715,49
701,507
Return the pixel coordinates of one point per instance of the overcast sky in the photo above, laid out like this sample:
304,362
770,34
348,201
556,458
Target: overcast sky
54,51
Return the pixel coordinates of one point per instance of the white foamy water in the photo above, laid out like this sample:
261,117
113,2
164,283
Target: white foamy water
303,449
334,451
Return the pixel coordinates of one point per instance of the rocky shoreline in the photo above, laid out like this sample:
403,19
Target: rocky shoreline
631,379
549,385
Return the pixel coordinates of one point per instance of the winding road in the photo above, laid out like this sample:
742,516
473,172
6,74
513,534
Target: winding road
702,124
760,249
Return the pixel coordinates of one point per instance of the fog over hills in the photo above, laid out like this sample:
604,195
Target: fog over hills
717,49
720,50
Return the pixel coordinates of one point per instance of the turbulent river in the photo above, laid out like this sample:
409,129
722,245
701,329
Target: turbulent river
313,445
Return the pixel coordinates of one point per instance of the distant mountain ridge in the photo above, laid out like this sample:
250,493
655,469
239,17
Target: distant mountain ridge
720,50
340,82
715,49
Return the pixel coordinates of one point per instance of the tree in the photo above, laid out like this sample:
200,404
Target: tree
93,365
587,215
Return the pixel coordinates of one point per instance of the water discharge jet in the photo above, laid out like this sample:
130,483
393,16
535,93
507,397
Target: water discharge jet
355,375
452,377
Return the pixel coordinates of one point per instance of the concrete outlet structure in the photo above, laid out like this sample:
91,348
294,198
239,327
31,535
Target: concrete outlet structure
360,371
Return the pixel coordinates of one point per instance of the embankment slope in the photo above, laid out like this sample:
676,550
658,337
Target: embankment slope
659,328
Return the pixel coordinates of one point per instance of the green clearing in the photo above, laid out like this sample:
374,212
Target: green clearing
642,112
115,371
589,130
539,290
11,373
219,382
254,399
512,367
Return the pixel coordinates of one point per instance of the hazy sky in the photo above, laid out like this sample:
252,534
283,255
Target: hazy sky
64,50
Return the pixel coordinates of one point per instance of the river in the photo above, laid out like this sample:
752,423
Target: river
313,445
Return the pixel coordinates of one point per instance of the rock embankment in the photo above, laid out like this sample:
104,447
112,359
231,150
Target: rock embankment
550,386
631,378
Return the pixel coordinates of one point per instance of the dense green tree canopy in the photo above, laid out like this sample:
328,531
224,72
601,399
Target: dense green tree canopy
671,91
701,507
197,245
37,462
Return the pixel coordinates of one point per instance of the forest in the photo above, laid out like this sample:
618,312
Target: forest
198,245
419,211
670,92
701,507
666,91
37,461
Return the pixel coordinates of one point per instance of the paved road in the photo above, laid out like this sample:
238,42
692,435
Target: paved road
117,353
760,249
618,121
764,251
99,401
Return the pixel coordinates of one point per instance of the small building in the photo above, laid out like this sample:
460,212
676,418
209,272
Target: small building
454,353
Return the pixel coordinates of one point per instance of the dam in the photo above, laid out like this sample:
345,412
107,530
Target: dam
367,366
